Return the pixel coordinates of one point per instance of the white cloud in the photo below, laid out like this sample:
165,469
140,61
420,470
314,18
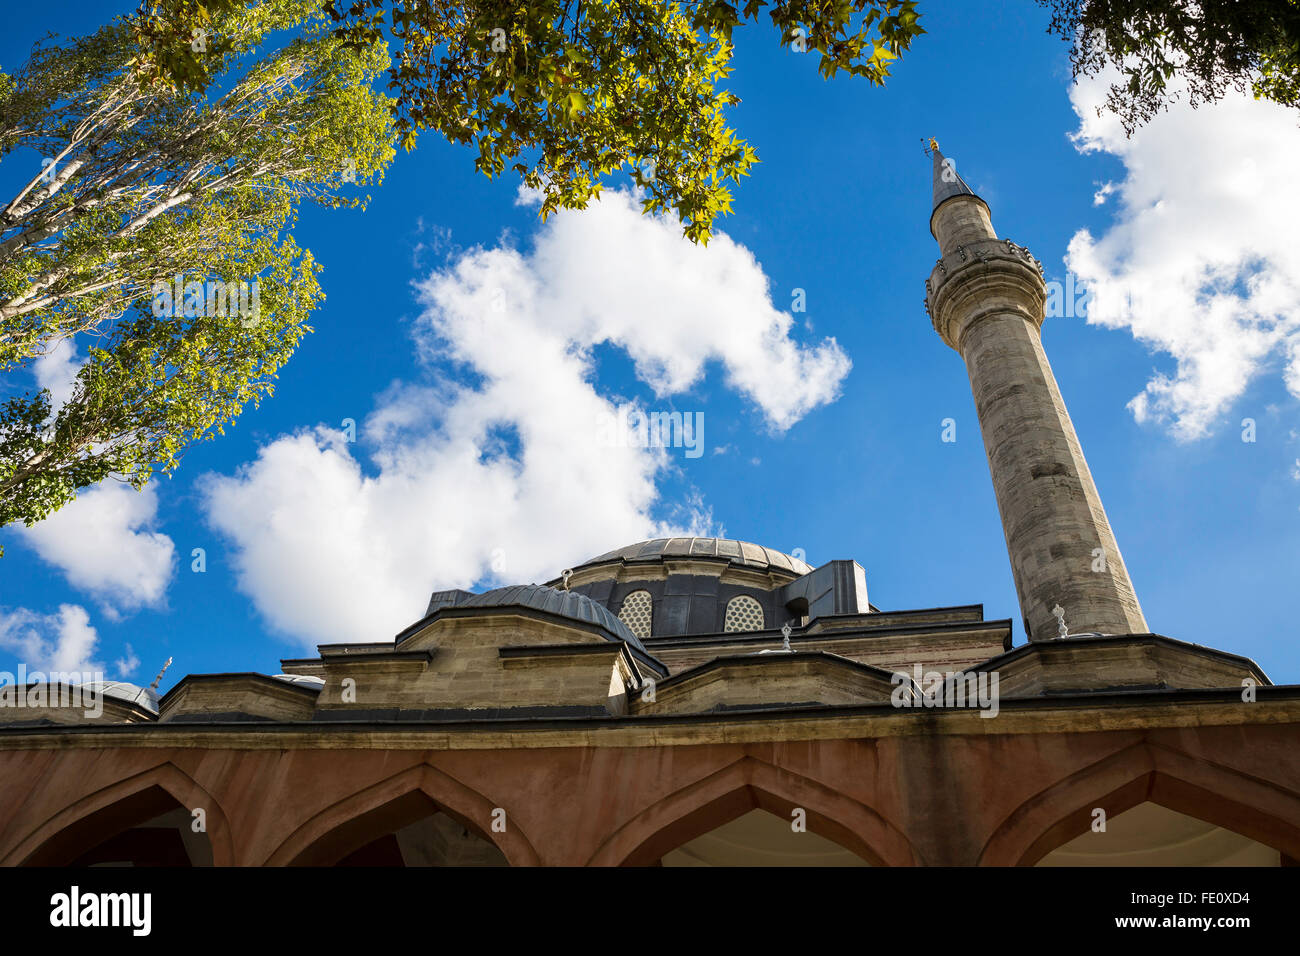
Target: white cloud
507,477
50,642
127,664
57,370
102,543
1203,259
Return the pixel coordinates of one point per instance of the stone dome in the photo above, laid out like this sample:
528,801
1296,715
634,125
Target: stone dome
121,690
743,553
673,587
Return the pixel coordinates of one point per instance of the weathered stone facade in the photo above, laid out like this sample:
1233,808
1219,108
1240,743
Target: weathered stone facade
923,787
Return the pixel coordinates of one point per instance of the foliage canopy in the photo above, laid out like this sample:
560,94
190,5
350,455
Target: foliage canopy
133,183
1211,45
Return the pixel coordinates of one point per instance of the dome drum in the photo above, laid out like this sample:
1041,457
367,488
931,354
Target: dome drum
695,585
689,604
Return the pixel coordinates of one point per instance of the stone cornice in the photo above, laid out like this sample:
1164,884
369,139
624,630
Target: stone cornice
824,658
1088,713
767,637
1046,647
263,682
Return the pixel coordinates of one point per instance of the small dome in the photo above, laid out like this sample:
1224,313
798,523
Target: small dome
121,690
570,604
741,553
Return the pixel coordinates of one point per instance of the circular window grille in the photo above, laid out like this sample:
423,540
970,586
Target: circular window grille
636,613
743,614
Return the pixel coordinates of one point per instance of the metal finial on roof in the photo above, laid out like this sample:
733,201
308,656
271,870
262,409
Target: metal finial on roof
158,680
785,643
1058,612
566,574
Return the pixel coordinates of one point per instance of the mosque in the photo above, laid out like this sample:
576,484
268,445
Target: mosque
709,702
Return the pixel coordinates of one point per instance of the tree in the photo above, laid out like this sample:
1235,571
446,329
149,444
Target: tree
147,176
566,92
154,206
1211,45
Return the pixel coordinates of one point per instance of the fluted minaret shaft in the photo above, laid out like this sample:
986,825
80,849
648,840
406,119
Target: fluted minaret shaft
986,298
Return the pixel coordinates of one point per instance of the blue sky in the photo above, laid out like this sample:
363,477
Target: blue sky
799,454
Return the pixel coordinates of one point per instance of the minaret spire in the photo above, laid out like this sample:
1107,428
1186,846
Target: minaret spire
986,299
947,182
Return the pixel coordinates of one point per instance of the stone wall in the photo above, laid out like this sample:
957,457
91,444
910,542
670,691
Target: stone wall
921,787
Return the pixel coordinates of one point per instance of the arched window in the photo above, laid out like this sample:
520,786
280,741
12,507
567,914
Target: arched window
636,613
743,614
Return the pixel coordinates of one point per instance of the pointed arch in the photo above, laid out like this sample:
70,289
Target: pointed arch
750,783
120,805
347,824
1247,805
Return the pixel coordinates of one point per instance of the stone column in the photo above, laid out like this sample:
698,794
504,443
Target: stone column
986,300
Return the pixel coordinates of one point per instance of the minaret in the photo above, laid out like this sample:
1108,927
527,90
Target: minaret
986,299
